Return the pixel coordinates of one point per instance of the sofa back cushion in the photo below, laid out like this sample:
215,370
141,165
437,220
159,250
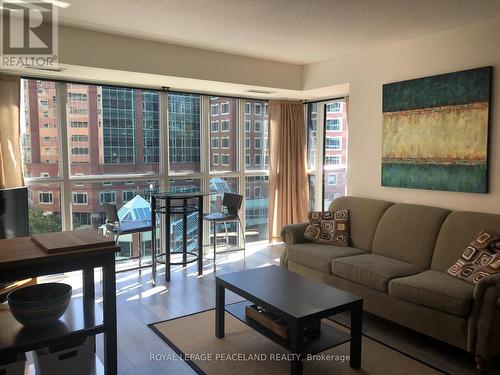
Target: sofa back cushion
364,217
408,232
457,232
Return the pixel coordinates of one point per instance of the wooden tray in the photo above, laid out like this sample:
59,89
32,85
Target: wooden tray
268,320
59,242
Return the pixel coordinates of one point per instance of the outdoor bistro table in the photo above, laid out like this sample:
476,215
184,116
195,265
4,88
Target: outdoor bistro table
169,202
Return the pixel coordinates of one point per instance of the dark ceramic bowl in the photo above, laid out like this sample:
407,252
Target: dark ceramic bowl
40,304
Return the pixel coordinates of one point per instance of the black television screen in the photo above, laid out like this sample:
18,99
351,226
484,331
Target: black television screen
14,213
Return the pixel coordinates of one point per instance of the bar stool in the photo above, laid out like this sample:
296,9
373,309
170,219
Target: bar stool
117,227
232,202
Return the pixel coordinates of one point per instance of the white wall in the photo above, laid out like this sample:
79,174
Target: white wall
468,47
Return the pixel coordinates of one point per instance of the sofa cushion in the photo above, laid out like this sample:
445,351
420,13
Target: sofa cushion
480,259
436,290
457,231
371,270
319,256
364,217
329,227
408,232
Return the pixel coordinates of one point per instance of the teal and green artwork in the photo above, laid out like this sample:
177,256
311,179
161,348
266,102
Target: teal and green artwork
435,132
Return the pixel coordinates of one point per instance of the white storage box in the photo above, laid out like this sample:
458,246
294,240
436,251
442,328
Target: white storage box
14,367
76,360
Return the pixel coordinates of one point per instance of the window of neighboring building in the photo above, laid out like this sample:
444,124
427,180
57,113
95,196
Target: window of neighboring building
77,111
258,108
248,108
80,198
79,138
256,192
79,124
248,159
127,195
257,159
225,125
107,197
214,126
214,109
215,142
248,126
45,197
332,159
77,96
247,142
334,125
215,159
334,107
332,179
224,109
46,139
79,151
225,142
333,143
257,126
257,143
225,159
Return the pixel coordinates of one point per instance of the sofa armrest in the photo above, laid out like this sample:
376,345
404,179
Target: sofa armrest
483,338
294,233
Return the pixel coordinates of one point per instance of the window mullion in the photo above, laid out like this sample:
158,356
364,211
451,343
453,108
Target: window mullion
205,111
64,167
241,148
320,152
164,139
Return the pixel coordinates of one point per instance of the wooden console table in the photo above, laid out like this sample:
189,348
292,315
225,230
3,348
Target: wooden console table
21,258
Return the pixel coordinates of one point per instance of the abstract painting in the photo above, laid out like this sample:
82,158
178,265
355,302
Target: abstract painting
435,132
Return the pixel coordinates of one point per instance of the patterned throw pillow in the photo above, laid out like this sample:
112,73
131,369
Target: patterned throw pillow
328,227
480,259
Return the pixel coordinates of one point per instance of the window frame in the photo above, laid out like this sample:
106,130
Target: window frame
102,193
222,112
67,181
49,194
83,193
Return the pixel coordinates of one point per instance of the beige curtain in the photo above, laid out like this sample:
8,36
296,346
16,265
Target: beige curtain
11,174
288,185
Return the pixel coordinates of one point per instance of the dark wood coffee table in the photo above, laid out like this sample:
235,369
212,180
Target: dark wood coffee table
298,300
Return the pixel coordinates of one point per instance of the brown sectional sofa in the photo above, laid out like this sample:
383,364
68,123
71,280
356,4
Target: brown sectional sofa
397,261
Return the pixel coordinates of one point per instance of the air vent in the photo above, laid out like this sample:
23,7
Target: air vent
260,91
45,69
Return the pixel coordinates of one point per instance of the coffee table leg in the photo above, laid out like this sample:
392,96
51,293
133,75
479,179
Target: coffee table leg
219,310
296,349
356,335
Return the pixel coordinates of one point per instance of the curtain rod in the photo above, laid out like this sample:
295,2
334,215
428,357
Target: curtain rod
148,88
324,100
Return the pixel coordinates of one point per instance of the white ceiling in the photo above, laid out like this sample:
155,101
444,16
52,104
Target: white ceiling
295,31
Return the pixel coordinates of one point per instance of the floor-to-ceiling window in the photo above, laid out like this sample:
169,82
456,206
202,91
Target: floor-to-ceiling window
327,151
84,145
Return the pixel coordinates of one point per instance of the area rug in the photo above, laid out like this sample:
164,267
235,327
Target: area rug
245,352
425,349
